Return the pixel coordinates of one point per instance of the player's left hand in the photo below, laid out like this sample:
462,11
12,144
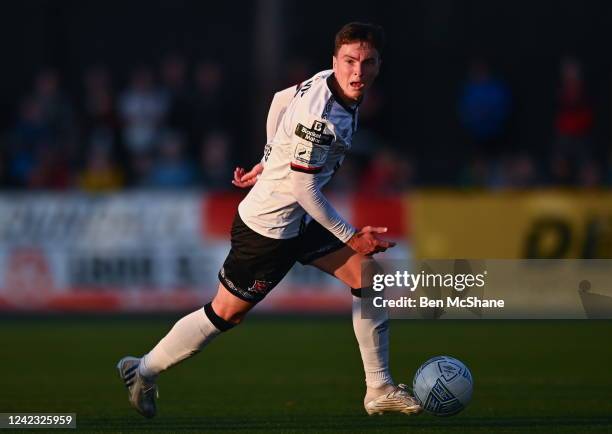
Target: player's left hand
367,242
244,179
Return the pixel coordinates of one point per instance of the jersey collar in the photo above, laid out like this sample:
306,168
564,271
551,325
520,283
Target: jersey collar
330,84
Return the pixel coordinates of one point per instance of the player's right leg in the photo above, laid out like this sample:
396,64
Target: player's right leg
194,331
188,337
251,270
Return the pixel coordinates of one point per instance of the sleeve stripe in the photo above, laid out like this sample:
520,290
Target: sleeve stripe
305,169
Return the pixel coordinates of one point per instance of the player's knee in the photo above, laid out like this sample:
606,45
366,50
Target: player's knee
369,268
230,313
362,275
236,317
230,308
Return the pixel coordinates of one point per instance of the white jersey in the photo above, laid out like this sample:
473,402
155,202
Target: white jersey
309,130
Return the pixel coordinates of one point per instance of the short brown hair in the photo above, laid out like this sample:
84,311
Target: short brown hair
366,32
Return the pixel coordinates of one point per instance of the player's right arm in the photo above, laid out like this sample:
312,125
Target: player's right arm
278,107
244,179
280,101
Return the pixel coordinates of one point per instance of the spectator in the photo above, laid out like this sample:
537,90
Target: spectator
141,166
172,169
216,165
523,172
101,125
99,100
589,175
484,110
574,116
100,173
516,171
31,131
51,170
476,173
57,110
142,108
388,173
212,103
177,92
561,171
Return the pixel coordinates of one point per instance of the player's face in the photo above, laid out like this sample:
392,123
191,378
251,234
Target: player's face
356,66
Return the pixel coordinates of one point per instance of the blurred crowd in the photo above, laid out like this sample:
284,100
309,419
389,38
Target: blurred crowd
168,127
571,159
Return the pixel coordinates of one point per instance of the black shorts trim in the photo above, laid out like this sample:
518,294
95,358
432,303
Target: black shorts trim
242,295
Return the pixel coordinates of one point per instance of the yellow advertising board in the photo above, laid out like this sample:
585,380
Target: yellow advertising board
511,225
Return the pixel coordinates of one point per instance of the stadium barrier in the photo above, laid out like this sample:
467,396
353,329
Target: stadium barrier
512,225
152,252
147,252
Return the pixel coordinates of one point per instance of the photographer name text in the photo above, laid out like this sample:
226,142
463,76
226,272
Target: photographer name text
427,302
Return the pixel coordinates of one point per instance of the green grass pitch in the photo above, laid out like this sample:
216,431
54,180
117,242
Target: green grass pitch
304,375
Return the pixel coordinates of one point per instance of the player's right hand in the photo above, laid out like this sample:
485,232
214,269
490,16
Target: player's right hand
244,179
367,243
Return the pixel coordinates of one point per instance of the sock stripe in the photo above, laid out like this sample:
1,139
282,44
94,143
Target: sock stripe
217,321
130,369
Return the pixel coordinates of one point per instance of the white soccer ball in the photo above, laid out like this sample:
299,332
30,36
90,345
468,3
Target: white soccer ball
443,385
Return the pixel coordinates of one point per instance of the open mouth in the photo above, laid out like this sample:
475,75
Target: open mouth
356,85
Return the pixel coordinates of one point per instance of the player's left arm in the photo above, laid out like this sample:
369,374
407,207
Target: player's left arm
307,193
312,140
312,200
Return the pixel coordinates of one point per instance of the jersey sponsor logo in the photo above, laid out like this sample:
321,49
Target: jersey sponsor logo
312,155
314,134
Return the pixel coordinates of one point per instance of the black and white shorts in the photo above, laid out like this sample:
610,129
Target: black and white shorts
256,264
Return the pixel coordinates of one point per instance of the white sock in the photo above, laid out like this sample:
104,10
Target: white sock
373,338
188,336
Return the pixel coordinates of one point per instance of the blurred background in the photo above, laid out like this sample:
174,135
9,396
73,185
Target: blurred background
488,134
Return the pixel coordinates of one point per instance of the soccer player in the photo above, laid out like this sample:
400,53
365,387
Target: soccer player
285,218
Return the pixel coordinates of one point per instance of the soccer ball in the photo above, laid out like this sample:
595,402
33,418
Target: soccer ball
443,385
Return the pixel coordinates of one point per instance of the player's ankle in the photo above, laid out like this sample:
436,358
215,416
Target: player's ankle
145,372
374,392
381,388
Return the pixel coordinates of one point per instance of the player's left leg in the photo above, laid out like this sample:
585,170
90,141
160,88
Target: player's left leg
372,334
